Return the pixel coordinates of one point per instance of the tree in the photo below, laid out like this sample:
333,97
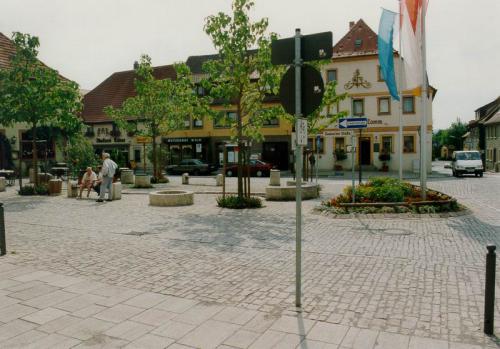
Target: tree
160,106
240,76
36,94
244,77
80,154
452,137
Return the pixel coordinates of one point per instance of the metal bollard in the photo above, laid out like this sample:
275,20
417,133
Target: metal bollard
3,248
489,292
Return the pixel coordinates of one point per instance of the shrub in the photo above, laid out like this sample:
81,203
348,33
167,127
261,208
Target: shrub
426,209
387,194
163,180
387,209
41,189
233,201
27,190
340,154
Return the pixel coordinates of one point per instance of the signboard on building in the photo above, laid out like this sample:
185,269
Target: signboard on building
143,139
198,147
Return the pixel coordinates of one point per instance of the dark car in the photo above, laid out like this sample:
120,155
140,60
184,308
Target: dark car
257,168
192,166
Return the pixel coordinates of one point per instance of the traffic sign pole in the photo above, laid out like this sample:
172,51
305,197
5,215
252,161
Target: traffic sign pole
298,173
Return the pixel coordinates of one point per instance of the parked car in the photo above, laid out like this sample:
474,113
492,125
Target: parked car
466,162
257,168
192,166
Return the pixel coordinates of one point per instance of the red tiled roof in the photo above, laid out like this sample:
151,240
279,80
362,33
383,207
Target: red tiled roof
359,33
7,49
114,91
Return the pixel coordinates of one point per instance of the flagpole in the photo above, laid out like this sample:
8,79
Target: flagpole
423,106
400,104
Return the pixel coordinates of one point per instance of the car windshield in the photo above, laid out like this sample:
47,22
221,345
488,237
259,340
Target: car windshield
468,156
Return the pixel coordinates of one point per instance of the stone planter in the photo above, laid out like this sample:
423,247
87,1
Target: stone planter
55,187
72,189
219,180
127,176
143,181
274,178
171,198
287,193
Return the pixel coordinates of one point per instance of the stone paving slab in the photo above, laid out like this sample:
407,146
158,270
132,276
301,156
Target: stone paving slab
218,326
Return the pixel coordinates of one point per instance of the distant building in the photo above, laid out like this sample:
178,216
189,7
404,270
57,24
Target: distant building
492,131
476,138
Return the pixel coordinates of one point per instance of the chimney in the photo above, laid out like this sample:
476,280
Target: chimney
351,24
136,65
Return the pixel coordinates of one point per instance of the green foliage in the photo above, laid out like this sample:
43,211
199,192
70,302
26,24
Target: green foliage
450,137
387,193
340,154
236,202
160,106
231,78
40,189
81,155
33,93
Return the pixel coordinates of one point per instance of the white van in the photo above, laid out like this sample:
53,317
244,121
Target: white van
463,162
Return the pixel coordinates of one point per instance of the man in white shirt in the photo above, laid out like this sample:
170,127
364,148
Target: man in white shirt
89,177
108,171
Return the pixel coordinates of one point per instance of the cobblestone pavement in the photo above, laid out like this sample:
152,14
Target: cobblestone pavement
421,277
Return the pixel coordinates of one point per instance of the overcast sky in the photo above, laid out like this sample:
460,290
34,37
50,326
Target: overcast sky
88,40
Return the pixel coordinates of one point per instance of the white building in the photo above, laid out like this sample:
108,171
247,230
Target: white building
355,66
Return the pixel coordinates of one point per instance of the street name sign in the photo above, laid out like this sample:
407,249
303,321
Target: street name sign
353,123
302,132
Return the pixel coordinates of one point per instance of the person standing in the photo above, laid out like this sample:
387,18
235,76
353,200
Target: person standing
108,171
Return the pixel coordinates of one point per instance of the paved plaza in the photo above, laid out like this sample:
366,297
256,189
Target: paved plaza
124,274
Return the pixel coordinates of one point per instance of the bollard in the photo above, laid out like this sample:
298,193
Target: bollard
489,292
3,244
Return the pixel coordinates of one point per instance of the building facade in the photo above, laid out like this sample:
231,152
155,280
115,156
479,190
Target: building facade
492,131
355,68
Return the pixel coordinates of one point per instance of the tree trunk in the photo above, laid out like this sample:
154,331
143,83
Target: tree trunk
155,158
35,154
240,147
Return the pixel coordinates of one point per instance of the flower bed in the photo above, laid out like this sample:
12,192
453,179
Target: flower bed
389,195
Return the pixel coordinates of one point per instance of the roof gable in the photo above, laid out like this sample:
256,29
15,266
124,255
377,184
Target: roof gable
115,90
360,39
7,49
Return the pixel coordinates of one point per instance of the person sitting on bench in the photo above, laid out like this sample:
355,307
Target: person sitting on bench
88,180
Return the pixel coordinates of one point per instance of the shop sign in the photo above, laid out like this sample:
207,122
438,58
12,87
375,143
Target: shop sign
143,139
184,140
337,133
198,147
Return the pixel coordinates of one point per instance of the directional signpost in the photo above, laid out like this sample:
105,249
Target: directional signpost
354,123
301,92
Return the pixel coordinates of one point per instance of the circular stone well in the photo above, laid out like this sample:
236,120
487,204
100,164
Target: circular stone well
171,198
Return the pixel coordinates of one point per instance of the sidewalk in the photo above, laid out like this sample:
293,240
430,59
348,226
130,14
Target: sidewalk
40,309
